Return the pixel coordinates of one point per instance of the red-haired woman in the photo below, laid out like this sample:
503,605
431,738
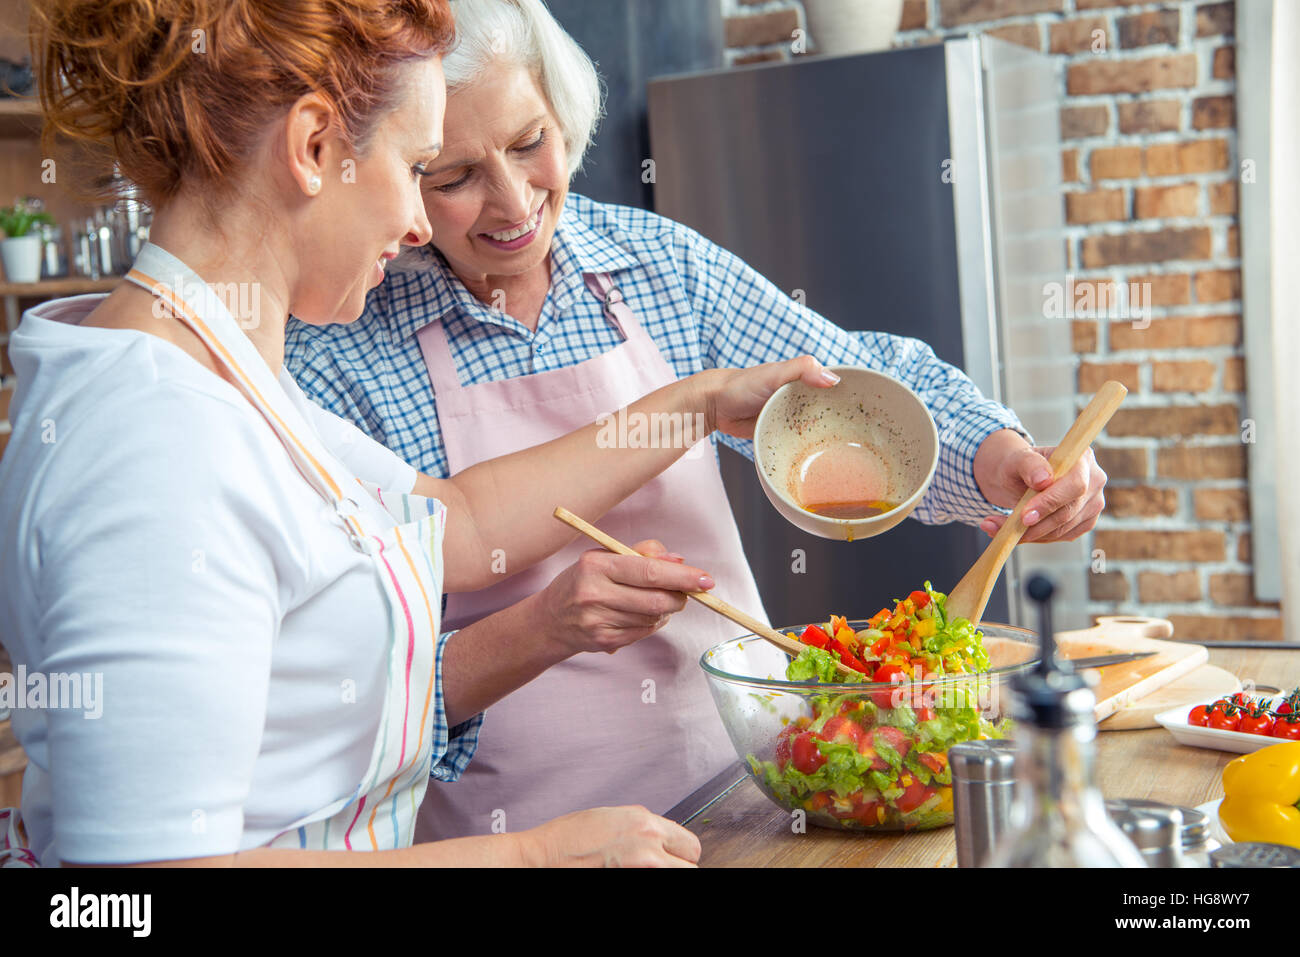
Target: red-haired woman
253,584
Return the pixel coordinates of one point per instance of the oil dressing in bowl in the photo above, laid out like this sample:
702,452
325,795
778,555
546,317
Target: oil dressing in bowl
846,480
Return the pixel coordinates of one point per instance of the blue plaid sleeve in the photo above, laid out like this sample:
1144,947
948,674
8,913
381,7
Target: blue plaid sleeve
747,320
452,749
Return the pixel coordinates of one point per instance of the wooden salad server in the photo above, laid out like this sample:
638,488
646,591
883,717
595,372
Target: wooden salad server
970,596
787,644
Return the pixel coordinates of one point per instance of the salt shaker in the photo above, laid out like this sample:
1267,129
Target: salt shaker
1155,829
983,787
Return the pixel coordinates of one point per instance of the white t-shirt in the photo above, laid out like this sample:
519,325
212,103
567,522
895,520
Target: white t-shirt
155,533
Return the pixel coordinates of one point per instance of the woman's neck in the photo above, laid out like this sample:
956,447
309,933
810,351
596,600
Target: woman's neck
520,297
240,263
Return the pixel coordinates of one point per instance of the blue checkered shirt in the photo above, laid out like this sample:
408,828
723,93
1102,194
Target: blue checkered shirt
702,306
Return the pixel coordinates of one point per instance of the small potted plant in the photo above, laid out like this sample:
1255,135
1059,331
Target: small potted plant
21,248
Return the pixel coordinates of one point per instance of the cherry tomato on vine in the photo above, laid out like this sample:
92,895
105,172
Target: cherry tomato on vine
1225,719
1256,721
1287,727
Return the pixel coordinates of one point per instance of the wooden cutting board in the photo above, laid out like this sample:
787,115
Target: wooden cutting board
1203,684
1119,686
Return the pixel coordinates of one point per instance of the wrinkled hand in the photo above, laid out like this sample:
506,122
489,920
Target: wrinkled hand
611,837
604,601
1006,465
738,395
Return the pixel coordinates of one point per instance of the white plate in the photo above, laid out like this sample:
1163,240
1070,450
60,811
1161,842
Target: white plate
1175,722
1211,810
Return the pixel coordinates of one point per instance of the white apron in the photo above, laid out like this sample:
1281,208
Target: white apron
638,727
380,812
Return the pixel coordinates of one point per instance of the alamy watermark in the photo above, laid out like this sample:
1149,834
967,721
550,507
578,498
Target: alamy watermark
1098,299
54,691
652,430
243,300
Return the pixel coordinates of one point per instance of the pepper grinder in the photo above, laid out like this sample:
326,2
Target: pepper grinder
1059,818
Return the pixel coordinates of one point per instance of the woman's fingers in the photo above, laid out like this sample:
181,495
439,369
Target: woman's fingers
614,600
682,846
648,572
747,390
1069,492
1075,516
653,548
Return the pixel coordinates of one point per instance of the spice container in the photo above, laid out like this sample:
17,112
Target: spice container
1198,842
1255,855
983,791
1155,829
54,257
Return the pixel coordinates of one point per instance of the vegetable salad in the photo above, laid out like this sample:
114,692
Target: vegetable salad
878,759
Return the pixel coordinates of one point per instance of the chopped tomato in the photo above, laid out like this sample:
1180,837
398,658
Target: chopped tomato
812,635
804,753
914,794
842,730
869,813
919,598
894,737
783,745
892,674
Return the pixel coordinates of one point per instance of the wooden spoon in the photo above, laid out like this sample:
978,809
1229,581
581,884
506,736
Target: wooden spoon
789,645
971,595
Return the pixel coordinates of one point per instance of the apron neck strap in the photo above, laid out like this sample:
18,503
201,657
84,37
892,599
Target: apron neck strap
252,376
601,285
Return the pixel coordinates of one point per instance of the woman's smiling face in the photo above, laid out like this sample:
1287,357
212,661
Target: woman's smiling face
495,193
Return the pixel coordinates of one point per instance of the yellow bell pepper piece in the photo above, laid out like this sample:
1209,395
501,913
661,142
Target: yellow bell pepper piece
926,628
945,800
1261,791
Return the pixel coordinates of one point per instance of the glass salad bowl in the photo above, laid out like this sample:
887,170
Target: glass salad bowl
865,756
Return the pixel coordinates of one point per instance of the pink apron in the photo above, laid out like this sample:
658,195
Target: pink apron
637,727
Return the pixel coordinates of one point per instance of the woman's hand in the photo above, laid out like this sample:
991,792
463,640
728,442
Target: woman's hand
604,601
1006,465
736,396
610,837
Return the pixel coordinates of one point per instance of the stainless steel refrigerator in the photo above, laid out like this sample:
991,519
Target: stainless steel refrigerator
916,192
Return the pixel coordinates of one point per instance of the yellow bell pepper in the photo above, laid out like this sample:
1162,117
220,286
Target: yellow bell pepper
1261,791
945,800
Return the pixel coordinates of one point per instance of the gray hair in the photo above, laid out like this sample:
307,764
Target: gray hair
524,32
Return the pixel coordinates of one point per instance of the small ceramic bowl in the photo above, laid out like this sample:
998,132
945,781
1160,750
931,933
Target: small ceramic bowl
883,428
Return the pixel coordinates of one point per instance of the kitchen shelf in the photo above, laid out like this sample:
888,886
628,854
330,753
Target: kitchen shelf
51,288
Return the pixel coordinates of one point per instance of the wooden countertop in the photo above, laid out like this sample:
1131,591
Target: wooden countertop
739,827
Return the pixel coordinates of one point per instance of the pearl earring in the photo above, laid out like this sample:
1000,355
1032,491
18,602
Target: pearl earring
313,184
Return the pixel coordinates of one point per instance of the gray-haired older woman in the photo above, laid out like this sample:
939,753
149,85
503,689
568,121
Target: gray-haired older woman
534,310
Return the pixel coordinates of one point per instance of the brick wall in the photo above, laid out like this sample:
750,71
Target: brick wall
1151,175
